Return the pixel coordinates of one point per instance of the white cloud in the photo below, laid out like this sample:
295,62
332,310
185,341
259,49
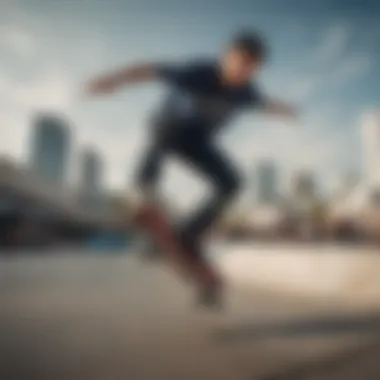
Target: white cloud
18,40
303,87
332,44
14,134
4,84
51,91
351,68
332,63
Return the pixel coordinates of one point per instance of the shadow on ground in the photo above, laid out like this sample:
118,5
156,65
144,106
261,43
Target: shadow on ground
353,364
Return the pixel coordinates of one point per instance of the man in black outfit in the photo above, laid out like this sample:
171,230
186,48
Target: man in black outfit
203,97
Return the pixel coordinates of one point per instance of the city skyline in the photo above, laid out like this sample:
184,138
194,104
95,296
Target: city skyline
322,56
50,152
267,178
91,171
50,147
371,147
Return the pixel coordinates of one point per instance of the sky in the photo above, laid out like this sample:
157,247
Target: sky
324,59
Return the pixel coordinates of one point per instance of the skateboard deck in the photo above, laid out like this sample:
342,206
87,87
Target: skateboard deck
154,220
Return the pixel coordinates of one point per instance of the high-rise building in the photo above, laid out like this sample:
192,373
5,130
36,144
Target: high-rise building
304,184
267,183
91,172
371,147
365,193
50,147
348,184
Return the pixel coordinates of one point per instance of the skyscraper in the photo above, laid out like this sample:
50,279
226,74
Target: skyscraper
364,194
50,147
371,147
267,183
91,172
304,184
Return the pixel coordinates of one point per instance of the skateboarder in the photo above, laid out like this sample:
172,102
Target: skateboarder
203,96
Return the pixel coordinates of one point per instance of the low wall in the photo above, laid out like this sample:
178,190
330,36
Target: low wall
348,273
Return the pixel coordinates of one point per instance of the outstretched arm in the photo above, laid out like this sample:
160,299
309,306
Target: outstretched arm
112,81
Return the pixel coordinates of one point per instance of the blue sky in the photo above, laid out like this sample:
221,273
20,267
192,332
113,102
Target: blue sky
325,59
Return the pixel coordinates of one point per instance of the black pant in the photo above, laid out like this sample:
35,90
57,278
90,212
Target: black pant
202,154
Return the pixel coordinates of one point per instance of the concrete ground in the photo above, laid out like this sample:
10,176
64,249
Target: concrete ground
108,317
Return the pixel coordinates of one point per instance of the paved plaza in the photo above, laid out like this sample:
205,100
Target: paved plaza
97,316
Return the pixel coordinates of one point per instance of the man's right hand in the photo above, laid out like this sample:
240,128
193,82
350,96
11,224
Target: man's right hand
127,75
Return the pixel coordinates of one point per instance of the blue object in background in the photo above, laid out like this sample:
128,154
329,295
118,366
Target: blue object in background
109,241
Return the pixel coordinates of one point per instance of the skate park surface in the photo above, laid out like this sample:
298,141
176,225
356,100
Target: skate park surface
292,312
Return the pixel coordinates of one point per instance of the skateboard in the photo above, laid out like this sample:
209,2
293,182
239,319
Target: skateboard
154,220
